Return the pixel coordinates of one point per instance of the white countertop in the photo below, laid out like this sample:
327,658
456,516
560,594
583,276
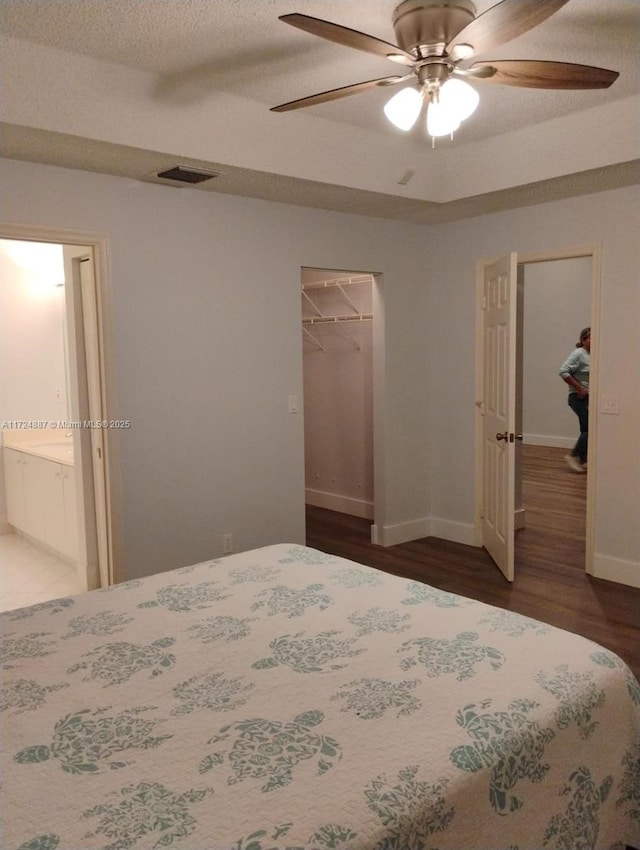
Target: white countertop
60,452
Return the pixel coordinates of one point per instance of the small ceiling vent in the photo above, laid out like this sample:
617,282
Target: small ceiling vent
187,174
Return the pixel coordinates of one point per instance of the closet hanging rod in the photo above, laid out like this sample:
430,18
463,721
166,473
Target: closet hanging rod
338,281
317,320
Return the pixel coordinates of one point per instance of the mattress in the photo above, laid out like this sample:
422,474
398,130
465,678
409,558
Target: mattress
283,698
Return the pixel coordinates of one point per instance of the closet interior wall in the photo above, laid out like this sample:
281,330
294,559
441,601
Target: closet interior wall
337,325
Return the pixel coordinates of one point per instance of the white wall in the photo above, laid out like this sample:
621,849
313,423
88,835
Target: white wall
338,398
206,311
205,307
33,382
611,219
32,362
557,305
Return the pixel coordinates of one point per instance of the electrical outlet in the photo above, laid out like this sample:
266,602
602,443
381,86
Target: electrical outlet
227,544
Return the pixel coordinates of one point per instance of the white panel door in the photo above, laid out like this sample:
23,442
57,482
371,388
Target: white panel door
92,354
499,380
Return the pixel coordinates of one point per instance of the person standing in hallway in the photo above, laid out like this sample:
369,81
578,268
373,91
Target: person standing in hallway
575,372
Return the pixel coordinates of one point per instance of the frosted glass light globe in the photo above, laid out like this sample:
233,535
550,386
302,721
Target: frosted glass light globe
440,122
459,98
403,108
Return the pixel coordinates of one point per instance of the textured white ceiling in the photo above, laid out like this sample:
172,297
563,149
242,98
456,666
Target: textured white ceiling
240,47
199,49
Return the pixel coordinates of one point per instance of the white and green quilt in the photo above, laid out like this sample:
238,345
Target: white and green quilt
283,699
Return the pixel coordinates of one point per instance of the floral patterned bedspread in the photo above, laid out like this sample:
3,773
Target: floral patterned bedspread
282,699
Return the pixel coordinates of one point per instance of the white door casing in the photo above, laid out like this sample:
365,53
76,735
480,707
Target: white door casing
498,408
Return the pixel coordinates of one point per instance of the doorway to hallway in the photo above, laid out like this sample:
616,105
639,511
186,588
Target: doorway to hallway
504,383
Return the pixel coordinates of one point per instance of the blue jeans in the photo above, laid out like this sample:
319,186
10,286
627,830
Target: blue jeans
580,407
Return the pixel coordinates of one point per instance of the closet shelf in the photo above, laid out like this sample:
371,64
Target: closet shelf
338,281
318,320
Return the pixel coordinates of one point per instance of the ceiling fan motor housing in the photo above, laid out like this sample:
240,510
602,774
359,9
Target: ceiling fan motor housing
424,27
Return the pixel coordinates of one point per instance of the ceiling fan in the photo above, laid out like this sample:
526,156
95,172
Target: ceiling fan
435,41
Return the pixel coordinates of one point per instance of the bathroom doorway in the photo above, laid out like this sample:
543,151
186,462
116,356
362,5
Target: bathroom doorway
55,481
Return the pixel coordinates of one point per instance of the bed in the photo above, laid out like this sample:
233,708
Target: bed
283,698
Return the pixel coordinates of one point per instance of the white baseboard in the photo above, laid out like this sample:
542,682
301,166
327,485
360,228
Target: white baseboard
342,504
615,569
549,440
457,532
605,567
404,532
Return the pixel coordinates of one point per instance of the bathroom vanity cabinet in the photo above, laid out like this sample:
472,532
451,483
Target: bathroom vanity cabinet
41,500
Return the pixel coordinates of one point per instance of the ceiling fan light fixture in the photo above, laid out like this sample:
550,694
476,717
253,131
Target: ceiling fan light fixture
440,120
432,38
404,108
459,98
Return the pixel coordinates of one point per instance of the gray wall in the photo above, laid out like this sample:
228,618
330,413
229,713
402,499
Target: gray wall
205,304
206,314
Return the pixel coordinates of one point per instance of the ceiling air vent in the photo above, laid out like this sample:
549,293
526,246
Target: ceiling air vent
186,174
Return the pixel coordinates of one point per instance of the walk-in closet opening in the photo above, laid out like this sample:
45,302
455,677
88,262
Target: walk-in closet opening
337,331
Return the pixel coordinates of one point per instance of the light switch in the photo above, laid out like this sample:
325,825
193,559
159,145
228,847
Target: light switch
609,404
293,404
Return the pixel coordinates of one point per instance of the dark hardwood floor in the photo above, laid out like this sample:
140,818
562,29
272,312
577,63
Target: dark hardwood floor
550,585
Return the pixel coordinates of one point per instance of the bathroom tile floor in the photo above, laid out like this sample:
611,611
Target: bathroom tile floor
29,574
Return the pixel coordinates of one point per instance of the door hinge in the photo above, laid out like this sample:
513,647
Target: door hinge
483,303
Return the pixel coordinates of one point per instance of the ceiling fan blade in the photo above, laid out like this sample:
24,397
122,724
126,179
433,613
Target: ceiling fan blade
535,74
335,94
349,37
503,22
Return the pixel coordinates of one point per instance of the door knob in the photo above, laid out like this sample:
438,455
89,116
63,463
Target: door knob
504,436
